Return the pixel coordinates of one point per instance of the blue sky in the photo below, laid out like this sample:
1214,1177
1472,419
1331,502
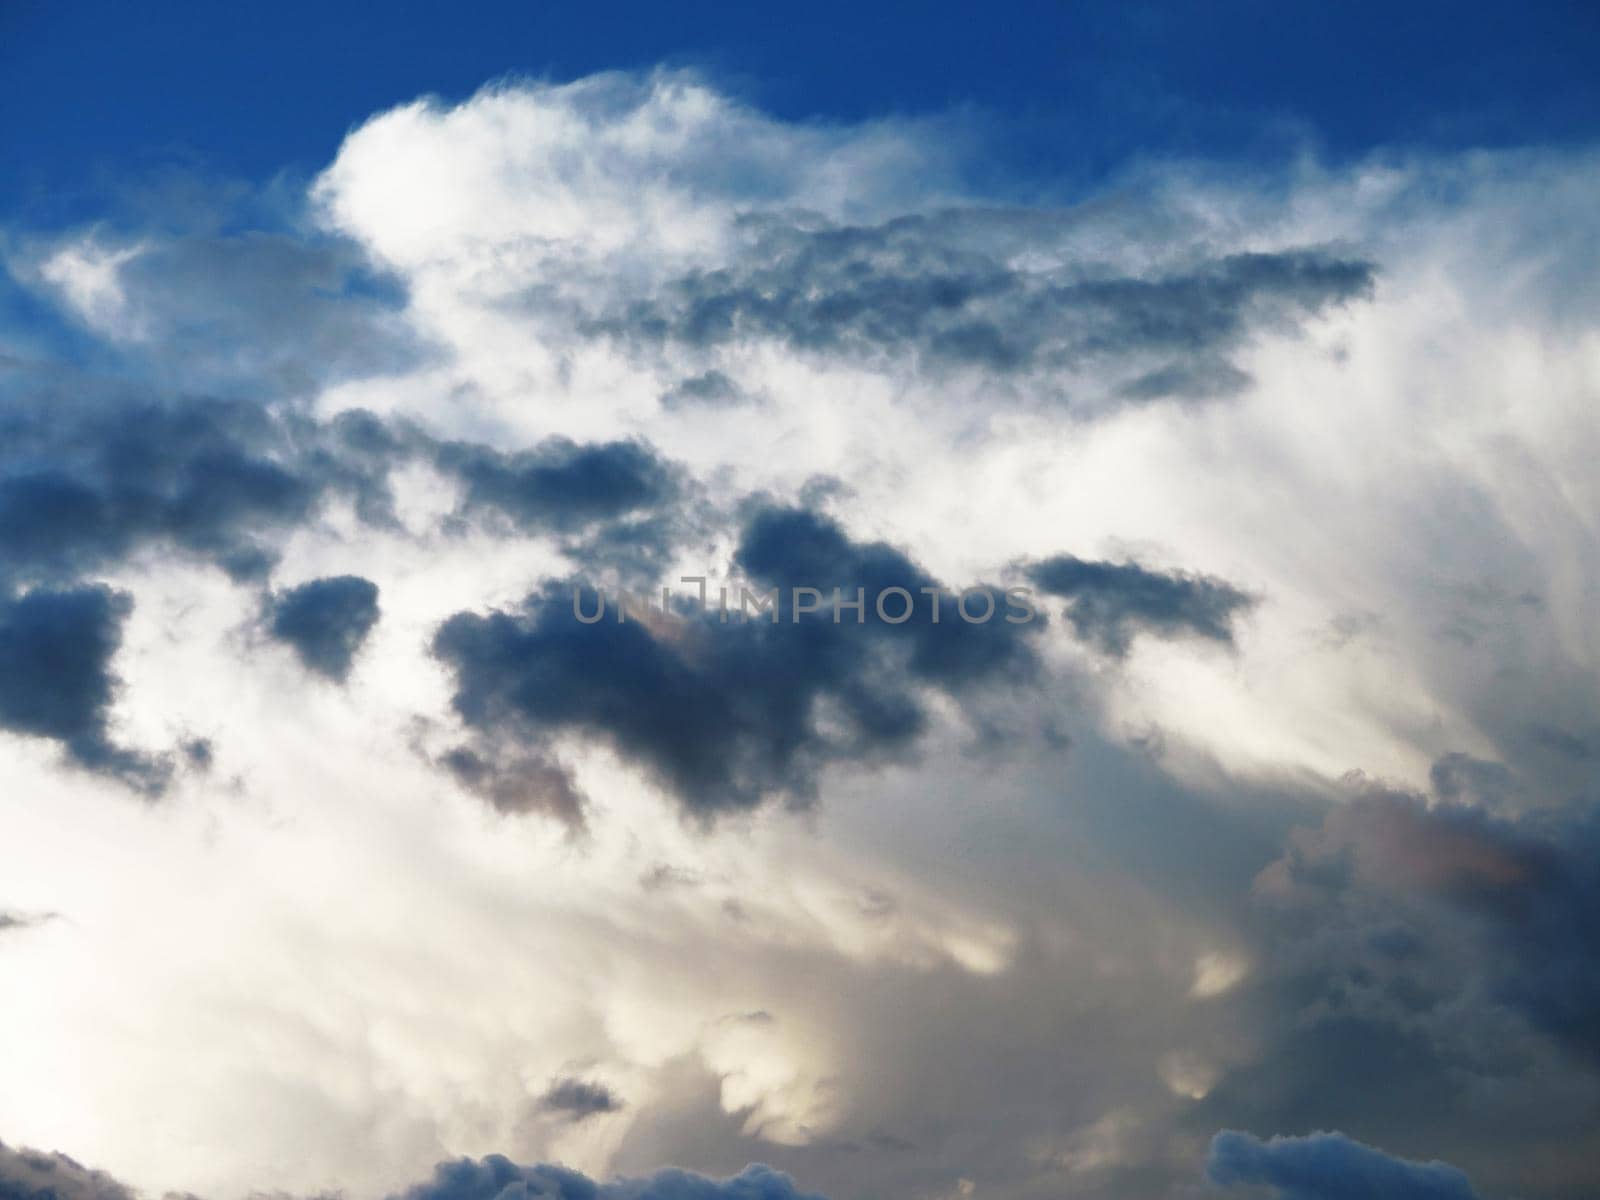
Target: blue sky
100,90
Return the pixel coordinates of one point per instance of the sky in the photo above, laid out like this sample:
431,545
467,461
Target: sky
625,602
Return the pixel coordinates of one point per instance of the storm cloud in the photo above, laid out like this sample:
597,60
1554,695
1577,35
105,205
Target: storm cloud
726,714
1528,892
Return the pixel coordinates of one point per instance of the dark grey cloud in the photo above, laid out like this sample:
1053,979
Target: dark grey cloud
494,1177
561,485
326,621
36,1175
1577,747
580,1098
1425,977
728,714
94,474
1460,777
635,549
1329,1166
1527,890
946,288
617,508
1108,604
56,679
91,474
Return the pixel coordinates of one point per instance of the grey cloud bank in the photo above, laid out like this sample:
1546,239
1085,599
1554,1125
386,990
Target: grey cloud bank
1329,1166
943,289
1322,1166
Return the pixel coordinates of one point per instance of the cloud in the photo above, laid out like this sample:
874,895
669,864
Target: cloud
1329,1166
707,390
934,289
562,169
56,679
1110,603
91,475
35,1175
10,921
326,621
265,312
625,329
87,478
495,1176
1529,890
727,714
517,783
580,1098
1458,777
560,485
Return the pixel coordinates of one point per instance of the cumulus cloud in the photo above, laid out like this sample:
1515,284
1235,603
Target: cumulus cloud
493,1176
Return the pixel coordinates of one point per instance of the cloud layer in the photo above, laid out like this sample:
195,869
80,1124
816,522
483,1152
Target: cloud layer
1278,814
